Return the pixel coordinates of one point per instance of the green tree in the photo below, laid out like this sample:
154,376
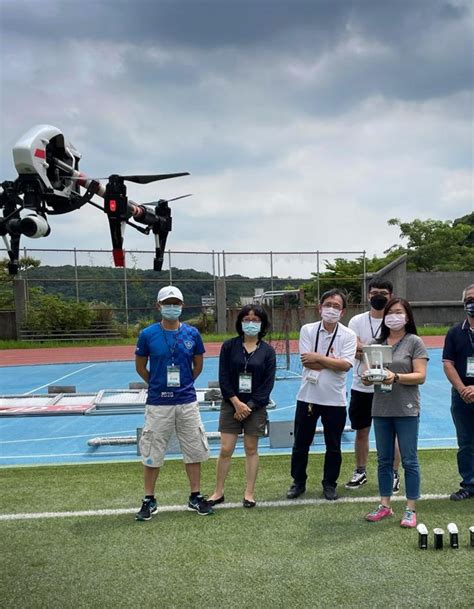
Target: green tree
6,281
434,245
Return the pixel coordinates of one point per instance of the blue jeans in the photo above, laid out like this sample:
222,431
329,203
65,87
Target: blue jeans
406,430
463,417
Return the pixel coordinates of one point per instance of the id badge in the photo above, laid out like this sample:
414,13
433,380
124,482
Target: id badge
173,377
245,383
470,366
383,388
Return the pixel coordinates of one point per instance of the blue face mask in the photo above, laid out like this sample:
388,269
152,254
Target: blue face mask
469,308
251,328
171,311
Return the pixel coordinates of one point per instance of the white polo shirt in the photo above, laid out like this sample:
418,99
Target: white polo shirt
330,388
367,329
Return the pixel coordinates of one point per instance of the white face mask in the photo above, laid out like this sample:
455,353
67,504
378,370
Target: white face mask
395,321
330,315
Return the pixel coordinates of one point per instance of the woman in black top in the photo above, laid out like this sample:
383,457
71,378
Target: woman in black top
247,368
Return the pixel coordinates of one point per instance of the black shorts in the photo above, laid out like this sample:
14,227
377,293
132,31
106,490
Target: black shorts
360,409
253,425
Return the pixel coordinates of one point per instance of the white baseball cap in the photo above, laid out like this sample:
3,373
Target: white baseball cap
169,291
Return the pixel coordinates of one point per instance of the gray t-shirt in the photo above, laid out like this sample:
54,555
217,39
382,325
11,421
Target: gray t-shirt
403,400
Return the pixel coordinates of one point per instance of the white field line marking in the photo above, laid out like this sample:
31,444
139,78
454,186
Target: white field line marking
85,435
183,508
59,379
82,454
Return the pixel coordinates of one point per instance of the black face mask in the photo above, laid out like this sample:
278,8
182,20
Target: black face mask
378,302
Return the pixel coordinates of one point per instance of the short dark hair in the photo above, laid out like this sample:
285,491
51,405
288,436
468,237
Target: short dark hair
381,284
259,312
410,326
334,292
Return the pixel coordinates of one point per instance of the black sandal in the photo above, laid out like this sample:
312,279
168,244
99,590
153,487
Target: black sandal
249,504
213,502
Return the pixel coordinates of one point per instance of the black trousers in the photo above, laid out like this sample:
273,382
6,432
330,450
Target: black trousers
333,419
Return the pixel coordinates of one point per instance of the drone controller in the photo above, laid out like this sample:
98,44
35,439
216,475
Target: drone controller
376,357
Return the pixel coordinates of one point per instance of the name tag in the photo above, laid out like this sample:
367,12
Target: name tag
245,383
470,366
173,377
383,388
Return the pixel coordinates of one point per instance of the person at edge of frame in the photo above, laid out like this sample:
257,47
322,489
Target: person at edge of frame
396,408
247,367
174,352
367,328
458,363
327,350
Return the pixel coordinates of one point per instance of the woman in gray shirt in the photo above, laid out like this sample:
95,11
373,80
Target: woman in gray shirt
396,408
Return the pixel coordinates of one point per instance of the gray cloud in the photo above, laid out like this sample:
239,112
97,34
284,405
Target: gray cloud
311,113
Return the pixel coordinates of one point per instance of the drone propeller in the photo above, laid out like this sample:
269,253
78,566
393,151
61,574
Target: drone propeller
167,200
153,178
137,179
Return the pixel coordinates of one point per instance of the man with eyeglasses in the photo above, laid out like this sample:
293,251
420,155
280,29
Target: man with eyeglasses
367,328
458,363
327,350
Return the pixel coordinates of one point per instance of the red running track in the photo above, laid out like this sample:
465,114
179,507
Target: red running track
111,353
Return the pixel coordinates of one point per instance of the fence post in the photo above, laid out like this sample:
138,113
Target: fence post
221,305
125,283
317,270
19,299
76,276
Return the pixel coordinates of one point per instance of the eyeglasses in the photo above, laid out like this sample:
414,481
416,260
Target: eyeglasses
332,306
379,293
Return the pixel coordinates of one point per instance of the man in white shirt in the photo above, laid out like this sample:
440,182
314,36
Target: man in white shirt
367,328
327,350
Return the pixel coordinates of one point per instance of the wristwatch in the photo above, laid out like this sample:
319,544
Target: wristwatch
396,377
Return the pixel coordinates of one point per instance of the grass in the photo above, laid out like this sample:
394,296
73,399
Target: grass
209,338
291,556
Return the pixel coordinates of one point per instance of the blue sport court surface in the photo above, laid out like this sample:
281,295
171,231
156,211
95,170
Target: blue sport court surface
63,438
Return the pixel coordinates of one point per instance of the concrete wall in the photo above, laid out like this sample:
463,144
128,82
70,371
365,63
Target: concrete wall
437,286
8,325
396,272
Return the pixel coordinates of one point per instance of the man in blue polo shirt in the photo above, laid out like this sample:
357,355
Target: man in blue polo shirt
458,362
174,352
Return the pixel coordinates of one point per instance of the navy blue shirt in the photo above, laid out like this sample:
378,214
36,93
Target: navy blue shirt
458,346
261,364
165,348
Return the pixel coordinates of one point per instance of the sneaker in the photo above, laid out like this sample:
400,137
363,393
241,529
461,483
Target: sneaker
358,479
200,505
149,507
379,513
396,483
461,494
409,519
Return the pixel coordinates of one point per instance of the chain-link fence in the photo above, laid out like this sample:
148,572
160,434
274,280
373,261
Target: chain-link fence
212,281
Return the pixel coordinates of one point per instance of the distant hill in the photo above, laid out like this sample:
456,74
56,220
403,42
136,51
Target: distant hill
107,285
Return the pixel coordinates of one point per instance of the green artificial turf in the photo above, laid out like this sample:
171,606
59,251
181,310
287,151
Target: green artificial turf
288,556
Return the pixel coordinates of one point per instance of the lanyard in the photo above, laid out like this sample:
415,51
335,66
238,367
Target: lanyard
396,345
332,339
171,348
470,332
374,334
247,355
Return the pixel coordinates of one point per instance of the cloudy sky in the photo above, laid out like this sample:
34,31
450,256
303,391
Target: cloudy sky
306,125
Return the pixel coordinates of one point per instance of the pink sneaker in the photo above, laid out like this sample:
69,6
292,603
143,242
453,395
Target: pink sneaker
378,514
409,519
